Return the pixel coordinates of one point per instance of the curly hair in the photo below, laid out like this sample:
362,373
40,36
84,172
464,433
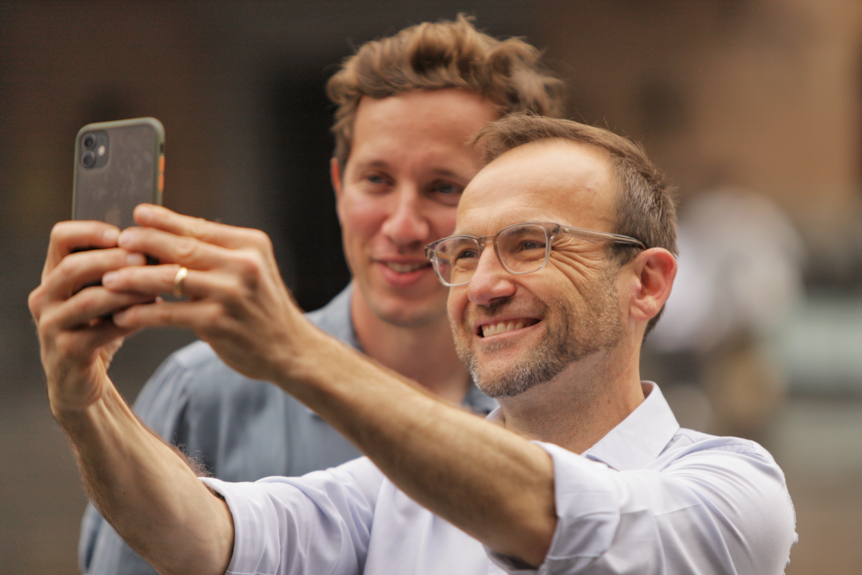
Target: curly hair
435,56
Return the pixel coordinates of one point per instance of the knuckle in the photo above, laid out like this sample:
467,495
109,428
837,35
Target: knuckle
261,240
185,247
34,301
248,263
198,227
232,291
251,272
57,232
212,314
66,266
83,302
163,313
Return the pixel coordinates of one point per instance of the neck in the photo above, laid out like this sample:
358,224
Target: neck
423,353
582,404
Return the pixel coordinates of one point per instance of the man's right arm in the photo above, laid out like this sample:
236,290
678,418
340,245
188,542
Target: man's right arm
162,406
140,484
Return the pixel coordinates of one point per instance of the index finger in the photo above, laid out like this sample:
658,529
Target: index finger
221,235
74,235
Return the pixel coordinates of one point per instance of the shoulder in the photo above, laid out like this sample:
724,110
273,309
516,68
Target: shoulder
689,446
334,318
196,373
738,476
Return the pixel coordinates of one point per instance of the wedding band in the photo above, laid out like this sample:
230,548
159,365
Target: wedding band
181,276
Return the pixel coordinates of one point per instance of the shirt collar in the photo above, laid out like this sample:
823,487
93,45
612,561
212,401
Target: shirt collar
641,437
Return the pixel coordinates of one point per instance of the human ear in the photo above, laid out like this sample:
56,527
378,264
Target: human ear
654,270
335,177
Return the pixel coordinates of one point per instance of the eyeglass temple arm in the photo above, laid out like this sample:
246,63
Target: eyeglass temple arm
618,238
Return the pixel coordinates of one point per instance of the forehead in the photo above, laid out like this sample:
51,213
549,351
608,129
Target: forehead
550,180
428,122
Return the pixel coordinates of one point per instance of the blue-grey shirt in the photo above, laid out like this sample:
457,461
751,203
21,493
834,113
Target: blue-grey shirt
240,429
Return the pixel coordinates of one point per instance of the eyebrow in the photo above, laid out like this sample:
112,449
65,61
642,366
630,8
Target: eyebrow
384,165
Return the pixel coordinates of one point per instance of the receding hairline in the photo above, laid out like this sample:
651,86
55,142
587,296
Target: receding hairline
561,142
611,184
551,141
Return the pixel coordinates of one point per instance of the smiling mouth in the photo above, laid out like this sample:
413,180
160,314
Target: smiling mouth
502,327
406,268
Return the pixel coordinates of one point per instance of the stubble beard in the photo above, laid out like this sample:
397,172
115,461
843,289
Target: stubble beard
569,337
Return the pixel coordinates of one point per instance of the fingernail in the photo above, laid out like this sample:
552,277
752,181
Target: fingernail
125,238
143,214
136,259
119,317
109,278
111,234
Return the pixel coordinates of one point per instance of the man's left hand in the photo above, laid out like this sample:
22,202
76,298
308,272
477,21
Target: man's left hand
237,301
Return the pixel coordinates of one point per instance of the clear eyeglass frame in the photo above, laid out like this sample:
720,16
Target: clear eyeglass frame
441,261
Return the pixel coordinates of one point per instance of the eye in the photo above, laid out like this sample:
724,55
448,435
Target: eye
464,254
457,252
375,181
526,245
445,192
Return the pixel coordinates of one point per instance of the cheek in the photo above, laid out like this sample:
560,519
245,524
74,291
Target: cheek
455,304
361,218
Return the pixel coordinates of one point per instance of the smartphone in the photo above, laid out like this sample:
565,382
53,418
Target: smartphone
118,165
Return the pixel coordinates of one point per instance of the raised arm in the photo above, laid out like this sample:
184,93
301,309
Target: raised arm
141,485
489,482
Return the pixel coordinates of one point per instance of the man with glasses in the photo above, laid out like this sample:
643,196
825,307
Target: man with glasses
561,261
407,107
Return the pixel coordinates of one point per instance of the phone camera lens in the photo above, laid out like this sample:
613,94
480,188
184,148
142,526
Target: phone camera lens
88,159
89,141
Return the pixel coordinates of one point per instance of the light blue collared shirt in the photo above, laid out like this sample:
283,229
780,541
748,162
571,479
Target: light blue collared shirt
649,497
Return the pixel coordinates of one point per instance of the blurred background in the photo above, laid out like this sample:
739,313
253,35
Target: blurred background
753,108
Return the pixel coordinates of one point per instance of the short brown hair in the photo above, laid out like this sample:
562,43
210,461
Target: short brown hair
435,56
645,210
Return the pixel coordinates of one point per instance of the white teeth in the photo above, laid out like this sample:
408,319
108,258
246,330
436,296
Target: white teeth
405,268
502,327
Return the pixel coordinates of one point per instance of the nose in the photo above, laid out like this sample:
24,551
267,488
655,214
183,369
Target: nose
406,225
490,281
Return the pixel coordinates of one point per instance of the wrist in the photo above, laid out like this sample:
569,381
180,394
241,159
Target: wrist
299,358
72,397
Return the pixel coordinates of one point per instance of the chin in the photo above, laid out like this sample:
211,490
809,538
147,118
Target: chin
407,313
516,380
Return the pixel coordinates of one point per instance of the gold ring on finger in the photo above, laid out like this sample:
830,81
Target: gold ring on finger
181,276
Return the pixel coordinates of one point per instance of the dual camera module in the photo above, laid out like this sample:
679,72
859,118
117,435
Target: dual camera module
93,149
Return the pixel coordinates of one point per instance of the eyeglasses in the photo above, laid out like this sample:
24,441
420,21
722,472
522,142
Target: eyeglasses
521,249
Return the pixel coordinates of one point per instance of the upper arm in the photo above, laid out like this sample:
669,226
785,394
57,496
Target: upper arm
710,511
319,523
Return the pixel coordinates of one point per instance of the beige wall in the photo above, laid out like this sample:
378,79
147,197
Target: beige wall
761,94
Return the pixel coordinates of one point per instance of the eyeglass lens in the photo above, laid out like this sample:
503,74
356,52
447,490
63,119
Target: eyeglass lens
522,249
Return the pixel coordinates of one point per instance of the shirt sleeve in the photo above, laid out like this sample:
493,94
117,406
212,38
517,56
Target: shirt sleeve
318,523
720,508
